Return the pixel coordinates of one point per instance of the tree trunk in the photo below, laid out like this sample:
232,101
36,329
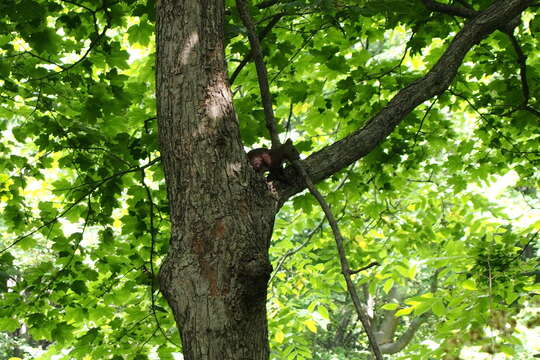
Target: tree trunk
216,272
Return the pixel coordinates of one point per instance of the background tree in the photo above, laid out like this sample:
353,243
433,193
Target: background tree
88,213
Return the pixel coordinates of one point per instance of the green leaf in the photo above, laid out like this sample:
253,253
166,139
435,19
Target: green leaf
279,337
79,287
140,33
388,285
63,332
390,306
323,312
8,324
438,307
404,311
469,285
311,325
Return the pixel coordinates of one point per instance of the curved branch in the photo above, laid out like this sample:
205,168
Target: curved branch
345,267
397,346
334,157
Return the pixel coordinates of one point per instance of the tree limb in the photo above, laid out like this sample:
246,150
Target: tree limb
275,19
261,71
345,268
340,154
397,346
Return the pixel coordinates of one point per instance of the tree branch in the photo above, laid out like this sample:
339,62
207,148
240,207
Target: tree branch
275,19
73,204
334,157
270,123
345,268
394,347
261,71
522,61
450,9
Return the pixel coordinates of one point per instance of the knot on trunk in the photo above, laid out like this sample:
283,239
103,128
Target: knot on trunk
254,275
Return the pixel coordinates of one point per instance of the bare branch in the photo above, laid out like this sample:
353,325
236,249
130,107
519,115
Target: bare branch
345,268
522,61
275,19
261,71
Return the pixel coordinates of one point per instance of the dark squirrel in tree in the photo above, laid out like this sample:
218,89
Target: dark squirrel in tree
263,159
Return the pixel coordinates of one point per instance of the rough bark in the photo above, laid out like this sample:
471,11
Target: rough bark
216,272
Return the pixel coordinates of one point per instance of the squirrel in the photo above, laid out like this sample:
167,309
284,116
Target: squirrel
263,159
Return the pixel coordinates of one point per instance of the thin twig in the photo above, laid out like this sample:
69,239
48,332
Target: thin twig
275,19
345,268
483,117
533,237
375,263
295,250
93,42
522,61
152,247
72,205
262,74
424,118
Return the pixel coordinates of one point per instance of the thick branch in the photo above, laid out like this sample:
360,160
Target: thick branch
332,158
394,347
387,328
